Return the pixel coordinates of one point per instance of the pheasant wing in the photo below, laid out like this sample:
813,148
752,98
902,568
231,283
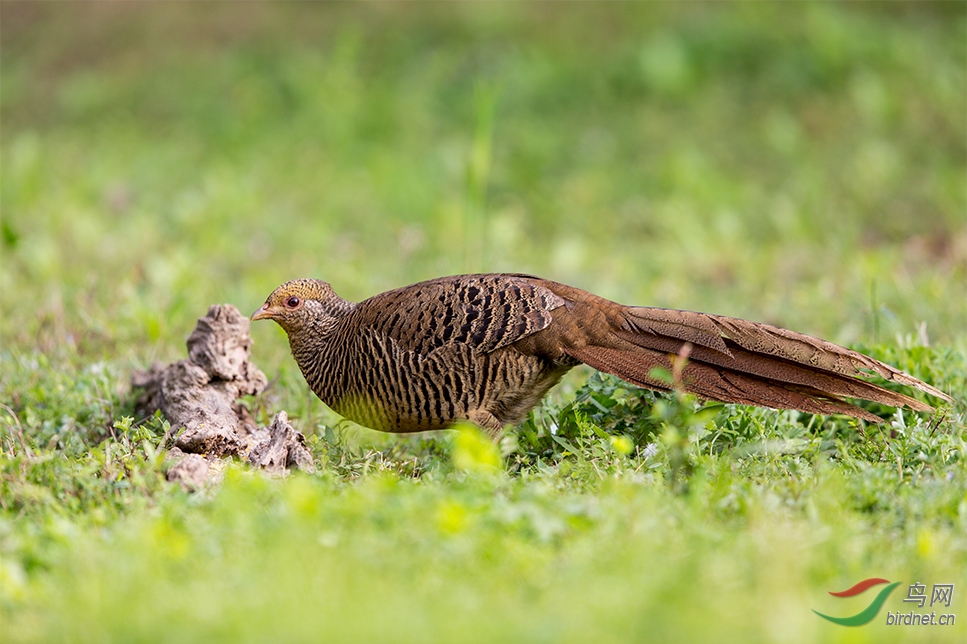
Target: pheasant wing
486,312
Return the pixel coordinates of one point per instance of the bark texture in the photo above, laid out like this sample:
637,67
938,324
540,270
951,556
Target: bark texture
199,397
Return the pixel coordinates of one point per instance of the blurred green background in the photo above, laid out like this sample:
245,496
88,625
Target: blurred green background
803,164
797,164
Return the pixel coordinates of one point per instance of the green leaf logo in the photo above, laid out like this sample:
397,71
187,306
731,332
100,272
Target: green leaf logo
867,614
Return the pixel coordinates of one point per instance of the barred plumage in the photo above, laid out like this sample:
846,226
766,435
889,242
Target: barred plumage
486,348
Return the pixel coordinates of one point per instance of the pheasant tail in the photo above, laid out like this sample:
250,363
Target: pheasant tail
728,359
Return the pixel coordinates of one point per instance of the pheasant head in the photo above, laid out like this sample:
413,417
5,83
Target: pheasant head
303,307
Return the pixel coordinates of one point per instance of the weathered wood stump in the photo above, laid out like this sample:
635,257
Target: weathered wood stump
199,397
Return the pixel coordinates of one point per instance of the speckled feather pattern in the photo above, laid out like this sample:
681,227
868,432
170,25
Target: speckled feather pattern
486,348
423,356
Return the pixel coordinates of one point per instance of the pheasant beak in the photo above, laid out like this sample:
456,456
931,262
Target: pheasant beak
265,312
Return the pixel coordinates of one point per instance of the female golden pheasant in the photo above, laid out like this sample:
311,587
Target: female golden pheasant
486,348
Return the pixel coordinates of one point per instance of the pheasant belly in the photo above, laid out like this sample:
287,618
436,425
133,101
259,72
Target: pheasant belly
401,392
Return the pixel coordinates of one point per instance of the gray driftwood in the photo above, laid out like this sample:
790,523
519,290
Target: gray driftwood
199,397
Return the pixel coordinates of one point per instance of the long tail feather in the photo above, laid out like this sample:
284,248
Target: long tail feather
716,383
731,360
719,332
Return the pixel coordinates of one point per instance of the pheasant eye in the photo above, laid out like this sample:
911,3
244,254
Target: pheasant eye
293,302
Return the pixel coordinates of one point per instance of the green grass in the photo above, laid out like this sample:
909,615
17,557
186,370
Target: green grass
799,164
